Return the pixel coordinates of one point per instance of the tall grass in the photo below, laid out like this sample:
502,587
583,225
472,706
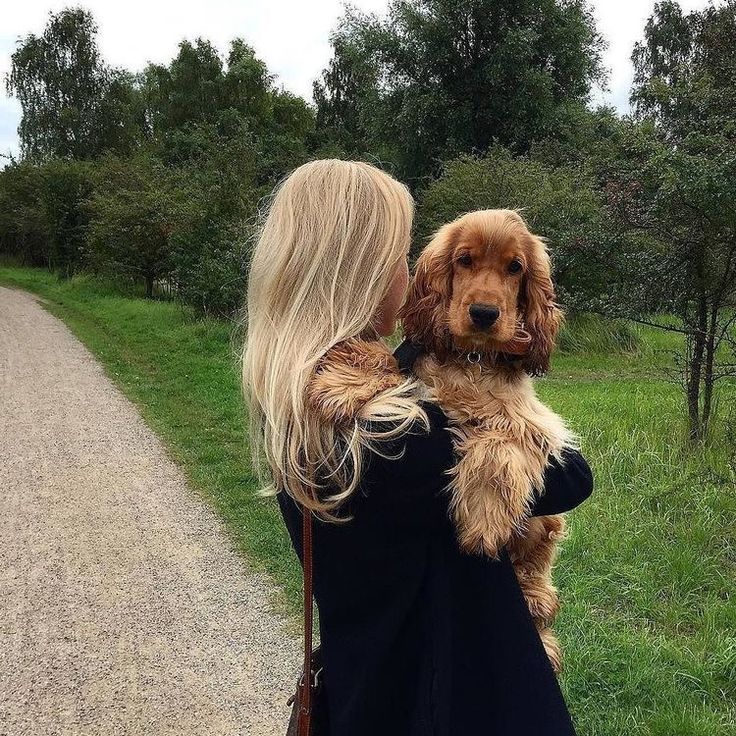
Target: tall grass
590,333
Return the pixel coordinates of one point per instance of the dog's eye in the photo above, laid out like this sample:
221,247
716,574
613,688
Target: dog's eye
465,260
515,266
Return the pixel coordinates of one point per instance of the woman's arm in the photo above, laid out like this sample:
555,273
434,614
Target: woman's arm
566,485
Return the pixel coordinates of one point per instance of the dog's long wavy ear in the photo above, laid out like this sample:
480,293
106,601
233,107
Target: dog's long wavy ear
425,312
542,315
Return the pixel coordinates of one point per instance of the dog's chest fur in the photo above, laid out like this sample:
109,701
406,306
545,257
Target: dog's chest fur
498,405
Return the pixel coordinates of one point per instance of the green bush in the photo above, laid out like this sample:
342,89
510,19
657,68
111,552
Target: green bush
135,211
560,204
43,220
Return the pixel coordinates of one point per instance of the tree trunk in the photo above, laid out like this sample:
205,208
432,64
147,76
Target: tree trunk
694,371
149,286
708,378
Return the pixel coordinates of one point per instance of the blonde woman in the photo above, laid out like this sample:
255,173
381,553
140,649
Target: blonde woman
417,637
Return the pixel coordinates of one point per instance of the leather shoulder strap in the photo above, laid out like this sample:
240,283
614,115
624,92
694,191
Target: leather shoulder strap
305,685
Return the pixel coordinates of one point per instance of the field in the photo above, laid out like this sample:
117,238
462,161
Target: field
648,575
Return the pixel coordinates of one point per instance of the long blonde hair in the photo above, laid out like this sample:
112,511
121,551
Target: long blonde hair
332,239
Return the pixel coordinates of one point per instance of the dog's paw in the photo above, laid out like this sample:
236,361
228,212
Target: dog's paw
553,649
541,598
478,541
349,376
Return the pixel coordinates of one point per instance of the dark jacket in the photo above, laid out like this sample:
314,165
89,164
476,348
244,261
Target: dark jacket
419,637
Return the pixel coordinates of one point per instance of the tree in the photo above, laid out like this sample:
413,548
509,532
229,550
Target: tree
685,70
344,97
679,187
22,231
73,105
219,166
684,199
436,78
189,90
198,91
65,188
136,211
42,213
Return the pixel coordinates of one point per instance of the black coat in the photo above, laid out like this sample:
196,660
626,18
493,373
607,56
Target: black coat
419,637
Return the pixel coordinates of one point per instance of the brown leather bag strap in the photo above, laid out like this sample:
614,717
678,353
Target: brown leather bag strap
305,711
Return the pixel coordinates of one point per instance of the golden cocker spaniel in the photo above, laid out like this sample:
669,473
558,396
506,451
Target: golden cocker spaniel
482,308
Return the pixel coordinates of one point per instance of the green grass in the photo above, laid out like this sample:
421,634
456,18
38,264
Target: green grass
647,575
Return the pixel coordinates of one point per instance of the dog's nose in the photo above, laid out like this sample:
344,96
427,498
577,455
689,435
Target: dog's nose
483,315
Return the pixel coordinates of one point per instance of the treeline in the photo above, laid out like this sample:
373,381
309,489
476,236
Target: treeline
154,177
157,177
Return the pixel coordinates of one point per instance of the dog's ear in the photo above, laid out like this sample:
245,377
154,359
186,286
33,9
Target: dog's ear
541,313
424,314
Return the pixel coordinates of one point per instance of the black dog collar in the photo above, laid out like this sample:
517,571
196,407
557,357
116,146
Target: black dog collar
408,352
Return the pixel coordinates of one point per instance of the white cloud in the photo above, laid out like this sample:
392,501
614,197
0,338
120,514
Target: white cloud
292,36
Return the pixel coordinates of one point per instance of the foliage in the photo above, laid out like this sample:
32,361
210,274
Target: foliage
678,188
42,215
685,197
136,211
199,91
22,231
74,106
685,70
221,175
178,156
436,78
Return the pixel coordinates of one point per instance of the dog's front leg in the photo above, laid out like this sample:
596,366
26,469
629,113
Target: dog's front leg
492,491
533,555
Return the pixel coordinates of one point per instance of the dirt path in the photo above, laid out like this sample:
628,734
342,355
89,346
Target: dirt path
123,609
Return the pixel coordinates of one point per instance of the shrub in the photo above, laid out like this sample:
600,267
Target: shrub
561,204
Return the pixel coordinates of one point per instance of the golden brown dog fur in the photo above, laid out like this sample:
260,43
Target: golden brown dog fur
349,376
504,435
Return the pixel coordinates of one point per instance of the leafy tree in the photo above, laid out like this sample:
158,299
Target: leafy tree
189,90
679,185
136,211
436,78
66,186
22,230
247,85
684,199
345,96
236,99
685,70
73,105
42,213
220,174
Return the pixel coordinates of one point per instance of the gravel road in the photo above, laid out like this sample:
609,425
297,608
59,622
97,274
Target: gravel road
123,607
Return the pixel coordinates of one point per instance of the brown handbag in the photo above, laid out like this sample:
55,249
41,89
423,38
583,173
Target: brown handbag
308,704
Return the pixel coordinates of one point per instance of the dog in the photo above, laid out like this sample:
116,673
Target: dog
481,309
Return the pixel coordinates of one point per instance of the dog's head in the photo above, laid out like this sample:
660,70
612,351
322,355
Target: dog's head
484,284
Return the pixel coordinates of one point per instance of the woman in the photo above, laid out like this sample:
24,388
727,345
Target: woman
417,637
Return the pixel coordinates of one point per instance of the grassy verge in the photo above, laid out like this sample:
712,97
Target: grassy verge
647,576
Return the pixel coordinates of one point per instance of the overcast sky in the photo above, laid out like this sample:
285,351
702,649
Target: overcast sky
291,36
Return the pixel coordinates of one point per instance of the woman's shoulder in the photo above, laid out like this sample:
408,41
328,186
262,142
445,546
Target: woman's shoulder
419,456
